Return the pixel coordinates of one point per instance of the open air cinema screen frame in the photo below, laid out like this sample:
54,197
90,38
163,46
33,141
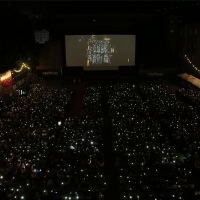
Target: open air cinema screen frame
100,52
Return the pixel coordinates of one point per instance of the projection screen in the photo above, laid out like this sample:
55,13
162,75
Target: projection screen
100,52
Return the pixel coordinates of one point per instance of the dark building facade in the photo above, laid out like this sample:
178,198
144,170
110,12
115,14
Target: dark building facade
189,49
148,28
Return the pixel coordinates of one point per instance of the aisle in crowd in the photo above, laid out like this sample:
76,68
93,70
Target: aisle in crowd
77,99
113,191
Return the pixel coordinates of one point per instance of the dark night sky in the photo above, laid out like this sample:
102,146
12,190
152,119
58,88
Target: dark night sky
81,6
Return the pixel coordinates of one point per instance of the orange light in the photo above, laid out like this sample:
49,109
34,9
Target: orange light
6,75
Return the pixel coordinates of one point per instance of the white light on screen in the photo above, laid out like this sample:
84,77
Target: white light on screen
99,51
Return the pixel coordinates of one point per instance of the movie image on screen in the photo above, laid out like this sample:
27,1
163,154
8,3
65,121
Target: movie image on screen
96,52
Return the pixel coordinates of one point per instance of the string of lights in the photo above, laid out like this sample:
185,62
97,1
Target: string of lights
190,62
22,67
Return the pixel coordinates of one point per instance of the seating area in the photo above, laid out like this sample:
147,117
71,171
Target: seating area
156,153
31,142
48,156
45,154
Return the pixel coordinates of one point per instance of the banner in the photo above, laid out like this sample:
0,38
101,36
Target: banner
50,73
190,79
160,72
6,83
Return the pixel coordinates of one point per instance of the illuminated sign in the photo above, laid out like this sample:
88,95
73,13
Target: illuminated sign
155,74
50,73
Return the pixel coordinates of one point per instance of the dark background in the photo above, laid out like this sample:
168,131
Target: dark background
19,20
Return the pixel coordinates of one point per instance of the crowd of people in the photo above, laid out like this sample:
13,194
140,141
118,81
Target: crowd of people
44,154
155,142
